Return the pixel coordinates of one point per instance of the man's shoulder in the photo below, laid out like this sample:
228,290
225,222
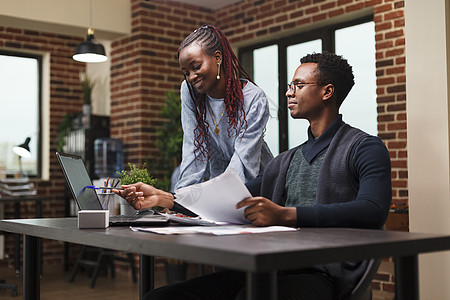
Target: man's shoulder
358,134
350,130
350,134
358,144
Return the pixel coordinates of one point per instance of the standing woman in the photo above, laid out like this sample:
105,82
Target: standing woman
223,113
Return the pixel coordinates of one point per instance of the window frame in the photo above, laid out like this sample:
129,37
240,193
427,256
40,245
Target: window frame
39,59
326,34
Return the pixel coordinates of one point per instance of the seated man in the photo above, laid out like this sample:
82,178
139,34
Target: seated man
340,177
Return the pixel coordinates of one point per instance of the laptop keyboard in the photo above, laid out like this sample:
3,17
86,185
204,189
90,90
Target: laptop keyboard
123,218
141,219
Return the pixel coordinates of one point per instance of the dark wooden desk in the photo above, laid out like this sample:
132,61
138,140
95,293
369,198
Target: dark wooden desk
38,214
260,255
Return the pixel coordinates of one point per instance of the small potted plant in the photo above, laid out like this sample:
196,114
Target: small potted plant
67,125
134,175
87,85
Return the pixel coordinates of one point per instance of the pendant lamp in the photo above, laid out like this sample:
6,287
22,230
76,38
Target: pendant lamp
90,51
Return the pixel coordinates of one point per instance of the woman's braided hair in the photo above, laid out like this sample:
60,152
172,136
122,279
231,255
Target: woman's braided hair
212,39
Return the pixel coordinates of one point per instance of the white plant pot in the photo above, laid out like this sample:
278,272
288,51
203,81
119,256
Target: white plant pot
126,208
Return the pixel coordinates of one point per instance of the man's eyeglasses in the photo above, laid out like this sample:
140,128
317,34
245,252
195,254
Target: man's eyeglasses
294,85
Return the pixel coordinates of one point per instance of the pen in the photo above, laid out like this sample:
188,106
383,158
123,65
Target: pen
116,182
102,187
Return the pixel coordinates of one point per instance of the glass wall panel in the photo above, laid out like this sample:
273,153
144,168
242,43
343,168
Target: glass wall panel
297,128
265,75
273,66
19,96
357,45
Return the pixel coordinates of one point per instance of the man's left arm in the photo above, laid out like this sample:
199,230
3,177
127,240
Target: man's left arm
254,185
371,206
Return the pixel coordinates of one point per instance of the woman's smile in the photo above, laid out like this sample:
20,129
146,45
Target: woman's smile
198,84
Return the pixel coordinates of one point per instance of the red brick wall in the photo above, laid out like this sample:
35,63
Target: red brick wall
144,67
65,97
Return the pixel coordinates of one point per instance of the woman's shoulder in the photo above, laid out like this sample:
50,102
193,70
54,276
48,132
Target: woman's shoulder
250,87
184,89
253,92
185,94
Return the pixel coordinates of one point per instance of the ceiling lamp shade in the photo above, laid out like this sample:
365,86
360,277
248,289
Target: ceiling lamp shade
90,51
23,150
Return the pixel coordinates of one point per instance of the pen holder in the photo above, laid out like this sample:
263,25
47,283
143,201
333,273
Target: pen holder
109,202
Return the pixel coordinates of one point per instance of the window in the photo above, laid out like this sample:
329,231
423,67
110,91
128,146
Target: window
273,64
266,76
20,117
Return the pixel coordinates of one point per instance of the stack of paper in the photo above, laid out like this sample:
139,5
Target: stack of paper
215,230
215,200
16,187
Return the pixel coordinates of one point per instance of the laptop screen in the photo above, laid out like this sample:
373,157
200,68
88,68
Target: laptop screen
77,178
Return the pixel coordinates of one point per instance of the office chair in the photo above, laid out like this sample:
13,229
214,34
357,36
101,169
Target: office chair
363,290
13,287
104,258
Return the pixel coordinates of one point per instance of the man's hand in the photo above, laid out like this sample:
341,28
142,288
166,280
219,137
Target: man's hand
142,196
263,212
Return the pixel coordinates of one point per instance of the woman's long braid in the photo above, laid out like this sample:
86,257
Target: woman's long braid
234,98
212,39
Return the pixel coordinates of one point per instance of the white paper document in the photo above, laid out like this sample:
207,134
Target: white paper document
215,230
215,200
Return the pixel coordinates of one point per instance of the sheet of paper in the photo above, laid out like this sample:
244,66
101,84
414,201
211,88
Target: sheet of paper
214,230
239,229
216,199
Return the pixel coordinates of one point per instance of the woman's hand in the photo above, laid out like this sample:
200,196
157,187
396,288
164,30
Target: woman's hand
143,196
263,212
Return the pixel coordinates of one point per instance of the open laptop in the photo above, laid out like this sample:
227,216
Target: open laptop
78,178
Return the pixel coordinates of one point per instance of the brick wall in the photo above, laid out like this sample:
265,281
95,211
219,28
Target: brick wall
65,97
144,67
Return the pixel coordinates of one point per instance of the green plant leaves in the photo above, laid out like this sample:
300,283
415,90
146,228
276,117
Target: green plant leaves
136,174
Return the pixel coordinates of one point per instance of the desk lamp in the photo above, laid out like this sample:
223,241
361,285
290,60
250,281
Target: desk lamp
23,150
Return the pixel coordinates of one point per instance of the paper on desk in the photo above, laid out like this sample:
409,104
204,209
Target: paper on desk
215,230
216,199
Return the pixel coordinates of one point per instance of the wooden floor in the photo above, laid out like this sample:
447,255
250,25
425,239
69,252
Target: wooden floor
55,285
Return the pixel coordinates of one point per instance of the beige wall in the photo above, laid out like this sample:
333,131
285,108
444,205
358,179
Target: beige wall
100,74
110,18
427,74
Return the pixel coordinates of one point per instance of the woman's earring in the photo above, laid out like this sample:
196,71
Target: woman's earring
218,71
